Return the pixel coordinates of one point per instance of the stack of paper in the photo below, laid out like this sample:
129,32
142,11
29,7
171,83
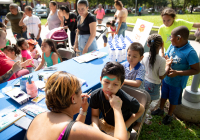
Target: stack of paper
90,56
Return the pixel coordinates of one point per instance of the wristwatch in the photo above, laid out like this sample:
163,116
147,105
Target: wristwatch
82,113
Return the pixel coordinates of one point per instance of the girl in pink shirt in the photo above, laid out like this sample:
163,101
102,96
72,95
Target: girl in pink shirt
23,44
100,14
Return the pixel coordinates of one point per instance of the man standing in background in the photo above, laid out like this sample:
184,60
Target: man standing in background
14,16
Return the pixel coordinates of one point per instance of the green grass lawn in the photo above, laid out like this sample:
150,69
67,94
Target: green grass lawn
177,130
157,20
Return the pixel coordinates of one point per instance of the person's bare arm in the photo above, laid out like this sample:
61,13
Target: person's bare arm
76,41
92,36
21,23
6,21
167,67
84,105
16,67
196,25
194,69
135,116
95,118
61,19
39,26
41,64
54,58
133,83
120,17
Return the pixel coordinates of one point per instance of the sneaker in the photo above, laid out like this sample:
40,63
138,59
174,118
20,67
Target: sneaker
158,112
167,120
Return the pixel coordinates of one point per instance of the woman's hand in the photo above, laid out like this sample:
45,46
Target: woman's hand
16,67
84,103
46,24
26,63
85,50
115,101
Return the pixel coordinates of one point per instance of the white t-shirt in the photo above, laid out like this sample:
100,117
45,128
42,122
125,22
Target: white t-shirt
32,25
107,30
158,69
18,58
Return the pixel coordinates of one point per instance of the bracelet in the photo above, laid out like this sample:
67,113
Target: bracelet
82,113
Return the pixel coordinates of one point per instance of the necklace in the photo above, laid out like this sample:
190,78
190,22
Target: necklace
104,109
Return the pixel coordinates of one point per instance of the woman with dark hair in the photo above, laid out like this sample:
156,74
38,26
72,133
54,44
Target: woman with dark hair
120,15
70,22
53,20
85,37
64,99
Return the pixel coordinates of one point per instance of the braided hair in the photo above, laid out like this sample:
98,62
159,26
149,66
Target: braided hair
154,41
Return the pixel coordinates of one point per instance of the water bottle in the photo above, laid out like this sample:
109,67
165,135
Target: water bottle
119,55
112,55
124,52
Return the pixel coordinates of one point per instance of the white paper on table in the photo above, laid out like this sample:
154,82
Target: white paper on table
1,95
141,31
90,56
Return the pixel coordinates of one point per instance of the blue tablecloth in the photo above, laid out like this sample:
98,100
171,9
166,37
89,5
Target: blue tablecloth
90,72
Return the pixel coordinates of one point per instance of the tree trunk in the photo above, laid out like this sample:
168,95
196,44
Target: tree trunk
191,9
172,4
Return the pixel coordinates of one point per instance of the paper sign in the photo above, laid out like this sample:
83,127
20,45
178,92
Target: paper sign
141,31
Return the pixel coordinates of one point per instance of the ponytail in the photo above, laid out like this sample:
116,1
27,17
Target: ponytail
14,48
154,41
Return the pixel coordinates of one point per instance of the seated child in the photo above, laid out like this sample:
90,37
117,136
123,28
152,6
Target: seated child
134,70
13,52
156,66
23,45
112,78
49,54
185,63
34,52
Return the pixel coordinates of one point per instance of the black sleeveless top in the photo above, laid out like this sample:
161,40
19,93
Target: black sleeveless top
66,134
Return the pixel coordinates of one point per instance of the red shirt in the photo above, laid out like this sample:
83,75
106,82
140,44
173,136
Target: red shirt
5,65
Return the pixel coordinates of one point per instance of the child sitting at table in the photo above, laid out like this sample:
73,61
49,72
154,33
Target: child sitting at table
23,45
49,55
134,70
185,62
34,52
13,52
112,79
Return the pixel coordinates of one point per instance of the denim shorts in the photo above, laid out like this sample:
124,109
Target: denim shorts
152,89
82,40
105,39
174,94
122,29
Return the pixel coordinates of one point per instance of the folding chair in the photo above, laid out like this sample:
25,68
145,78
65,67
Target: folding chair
143,98
66,54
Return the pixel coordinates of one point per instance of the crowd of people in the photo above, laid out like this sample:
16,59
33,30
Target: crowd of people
121,112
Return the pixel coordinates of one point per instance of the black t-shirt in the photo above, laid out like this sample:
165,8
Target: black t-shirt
71,22
130,105
84,27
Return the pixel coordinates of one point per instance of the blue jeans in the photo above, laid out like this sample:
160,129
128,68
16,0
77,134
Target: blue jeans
82,40
39,41
24,35
152,89
122,29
